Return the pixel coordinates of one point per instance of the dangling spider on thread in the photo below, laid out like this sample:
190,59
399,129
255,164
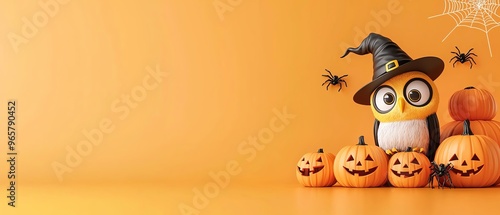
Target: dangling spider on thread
442,174
462,58
334,80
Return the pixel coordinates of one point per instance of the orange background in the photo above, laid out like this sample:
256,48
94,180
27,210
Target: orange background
225,78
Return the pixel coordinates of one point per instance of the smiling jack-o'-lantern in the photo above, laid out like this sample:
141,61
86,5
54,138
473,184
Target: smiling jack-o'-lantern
316,169
409,169
475,159
361,165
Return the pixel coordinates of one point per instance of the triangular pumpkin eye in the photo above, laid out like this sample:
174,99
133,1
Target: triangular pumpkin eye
369,158
303,159
454,157
319,160
350,158
415,161
475,158
397,162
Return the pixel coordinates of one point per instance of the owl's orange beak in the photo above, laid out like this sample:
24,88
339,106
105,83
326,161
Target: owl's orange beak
401,104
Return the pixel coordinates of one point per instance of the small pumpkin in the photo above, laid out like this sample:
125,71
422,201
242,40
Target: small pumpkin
361,165
488,128
409,169
473,104
316,169
475,158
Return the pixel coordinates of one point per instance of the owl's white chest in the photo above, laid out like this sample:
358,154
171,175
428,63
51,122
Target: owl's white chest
403,134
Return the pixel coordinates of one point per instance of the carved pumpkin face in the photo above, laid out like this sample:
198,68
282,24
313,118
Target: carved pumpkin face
361,165
409,169
463,168
316,169
475,159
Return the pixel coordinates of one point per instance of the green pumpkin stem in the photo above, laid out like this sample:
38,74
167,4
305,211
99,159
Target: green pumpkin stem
361,140
320,150
467,130
469,88
409,149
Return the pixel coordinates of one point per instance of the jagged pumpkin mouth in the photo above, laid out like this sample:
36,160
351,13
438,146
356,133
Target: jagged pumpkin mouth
361,172
406,174
466,172
308,171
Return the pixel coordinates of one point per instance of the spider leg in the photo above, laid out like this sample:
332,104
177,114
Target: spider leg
469,51
443,185
455,53
449,180
342,76
453,58
469,60
325,82
431,181
329,77
472,60
457,49
344,82
328,85
469,54
455,62
329,72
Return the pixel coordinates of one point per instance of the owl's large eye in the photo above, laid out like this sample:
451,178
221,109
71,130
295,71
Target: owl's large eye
418,92
384,99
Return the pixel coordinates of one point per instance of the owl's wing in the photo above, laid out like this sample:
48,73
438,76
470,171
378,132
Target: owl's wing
434,135
375,131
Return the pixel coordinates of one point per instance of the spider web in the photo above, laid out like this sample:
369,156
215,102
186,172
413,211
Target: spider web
476,14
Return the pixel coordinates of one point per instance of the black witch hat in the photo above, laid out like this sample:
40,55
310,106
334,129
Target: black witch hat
388,61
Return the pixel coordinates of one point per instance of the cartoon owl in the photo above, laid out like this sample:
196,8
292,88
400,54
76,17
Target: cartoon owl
402,95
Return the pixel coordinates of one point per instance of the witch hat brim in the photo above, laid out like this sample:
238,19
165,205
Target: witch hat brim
431,66
389,60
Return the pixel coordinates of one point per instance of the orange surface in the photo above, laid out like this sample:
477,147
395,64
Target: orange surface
254,199
169,93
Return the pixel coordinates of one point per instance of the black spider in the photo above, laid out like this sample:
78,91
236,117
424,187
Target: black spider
441,173
462,58
334,80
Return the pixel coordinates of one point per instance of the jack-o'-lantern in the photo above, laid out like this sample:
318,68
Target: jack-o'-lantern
361,165
475,159
409,169
316,169
472,104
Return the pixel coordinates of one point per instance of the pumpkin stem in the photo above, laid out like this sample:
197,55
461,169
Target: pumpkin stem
320,150
469,87
467,130
361,140
409,149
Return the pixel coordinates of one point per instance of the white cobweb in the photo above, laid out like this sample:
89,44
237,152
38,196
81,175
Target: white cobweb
476,14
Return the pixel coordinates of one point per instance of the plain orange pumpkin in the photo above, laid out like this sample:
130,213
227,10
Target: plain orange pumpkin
488,128
472,104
